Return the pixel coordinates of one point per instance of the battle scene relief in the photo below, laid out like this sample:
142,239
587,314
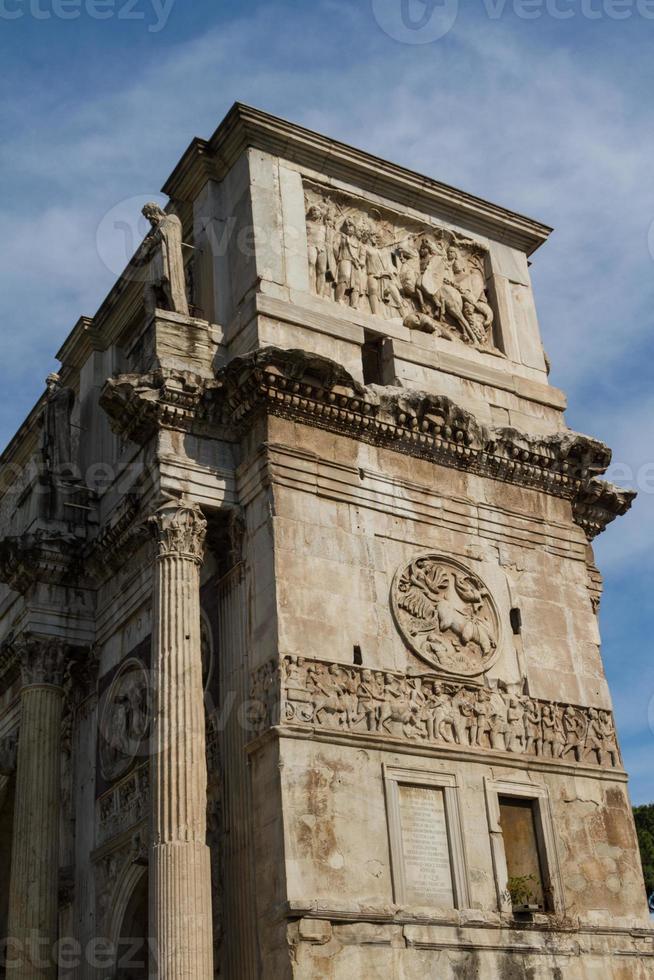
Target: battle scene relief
431,278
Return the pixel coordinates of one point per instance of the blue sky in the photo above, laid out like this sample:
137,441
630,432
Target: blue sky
541,105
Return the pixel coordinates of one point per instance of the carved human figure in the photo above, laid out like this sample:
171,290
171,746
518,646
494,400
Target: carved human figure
405,258
370,701
382,287
483,712
438,714
406,709
533,727
607,728
553,732
600,737
350,257
317,242
57,442
574,732
498,720
295,673
468,717
162,248
515,718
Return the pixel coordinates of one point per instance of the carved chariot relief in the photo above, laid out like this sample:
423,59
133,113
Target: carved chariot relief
446,615
428,276
124,719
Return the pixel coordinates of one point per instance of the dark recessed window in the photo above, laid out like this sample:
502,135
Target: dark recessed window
373,362
524,856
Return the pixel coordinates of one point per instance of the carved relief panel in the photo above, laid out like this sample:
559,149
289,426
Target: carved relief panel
446,615
125,719
431,278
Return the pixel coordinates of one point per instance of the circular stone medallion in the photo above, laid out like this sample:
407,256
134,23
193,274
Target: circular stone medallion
125,719
446,615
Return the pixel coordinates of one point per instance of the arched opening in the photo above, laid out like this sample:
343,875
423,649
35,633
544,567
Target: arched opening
6,835
132,943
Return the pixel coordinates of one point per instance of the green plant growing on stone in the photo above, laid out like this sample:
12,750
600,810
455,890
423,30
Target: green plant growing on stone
519,888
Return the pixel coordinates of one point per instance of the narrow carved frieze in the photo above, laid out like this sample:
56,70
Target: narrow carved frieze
336,698
125,805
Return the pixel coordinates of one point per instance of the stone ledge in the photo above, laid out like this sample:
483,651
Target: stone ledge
397,746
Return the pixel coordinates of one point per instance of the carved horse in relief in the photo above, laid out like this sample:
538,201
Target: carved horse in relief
426,599
450,287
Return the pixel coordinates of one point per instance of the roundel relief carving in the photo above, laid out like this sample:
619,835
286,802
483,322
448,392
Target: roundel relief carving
446,615
125,720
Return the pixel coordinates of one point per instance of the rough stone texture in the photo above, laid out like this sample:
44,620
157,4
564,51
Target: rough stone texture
398,592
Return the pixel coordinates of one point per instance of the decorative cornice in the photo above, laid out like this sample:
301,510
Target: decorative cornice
598,504
137,405
246,127
316,391
53,557
180,530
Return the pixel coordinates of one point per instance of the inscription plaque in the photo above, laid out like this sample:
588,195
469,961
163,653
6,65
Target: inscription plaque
425,847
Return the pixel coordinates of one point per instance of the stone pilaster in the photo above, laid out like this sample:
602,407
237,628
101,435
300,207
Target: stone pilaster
180,871
33,891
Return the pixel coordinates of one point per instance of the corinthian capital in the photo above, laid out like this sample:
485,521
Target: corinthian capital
42,659
180,530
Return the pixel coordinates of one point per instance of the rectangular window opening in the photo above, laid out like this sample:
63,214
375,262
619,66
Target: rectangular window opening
525,858
373,359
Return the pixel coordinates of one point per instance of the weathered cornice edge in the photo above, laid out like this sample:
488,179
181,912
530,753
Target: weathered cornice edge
245,126
599,503
53,557
319,392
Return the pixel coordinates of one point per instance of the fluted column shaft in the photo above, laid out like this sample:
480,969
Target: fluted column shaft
180,871
33,890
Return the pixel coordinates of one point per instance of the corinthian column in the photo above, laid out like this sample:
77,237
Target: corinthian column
33,904
180,871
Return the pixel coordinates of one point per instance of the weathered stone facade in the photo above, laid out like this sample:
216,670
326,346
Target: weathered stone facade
300,671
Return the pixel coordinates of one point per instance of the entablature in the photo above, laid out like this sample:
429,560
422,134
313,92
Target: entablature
318,392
